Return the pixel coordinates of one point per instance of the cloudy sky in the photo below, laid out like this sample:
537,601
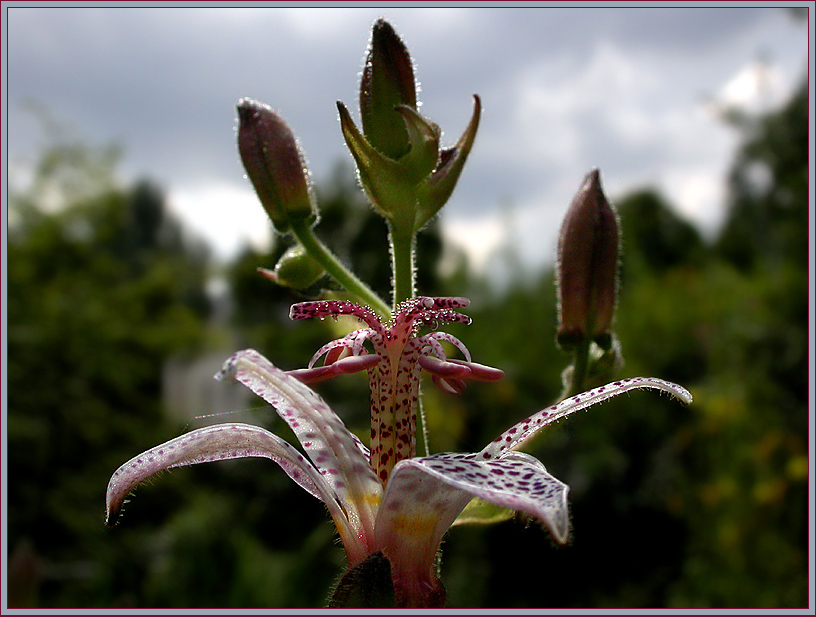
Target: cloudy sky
631,91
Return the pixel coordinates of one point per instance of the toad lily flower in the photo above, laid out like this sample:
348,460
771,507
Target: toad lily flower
385,502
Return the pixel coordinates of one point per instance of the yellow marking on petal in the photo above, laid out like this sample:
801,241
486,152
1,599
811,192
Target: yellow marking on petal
414,526
373,499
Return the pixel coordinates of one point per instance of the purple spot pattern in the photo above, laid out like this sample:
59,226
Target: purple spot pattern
394,379
515,435
331,446
214,443
441,485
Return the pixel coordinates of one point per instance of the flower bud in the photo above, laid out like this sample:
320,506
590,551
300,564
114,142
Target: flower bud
401,167
297,269
587,269
275,165
387,82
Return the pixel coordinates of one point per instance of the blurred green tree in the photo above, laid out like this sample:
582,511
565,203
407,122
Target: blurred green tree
768,190
102,288
702,507
747,509
697,508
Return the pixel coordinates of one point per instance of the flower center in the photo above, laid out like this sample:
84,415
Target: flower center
394,366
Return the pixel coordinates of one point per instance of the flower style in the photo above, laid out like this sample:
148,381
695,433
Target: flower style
384,502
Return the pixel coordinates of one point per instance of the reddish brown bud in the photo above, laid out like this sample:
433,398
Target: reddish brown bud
587,269
274,164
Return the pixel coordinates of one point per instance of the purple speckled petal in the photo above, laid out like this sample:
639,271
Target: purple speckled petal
444,483
515,435
425,495
215,443
416,511
334,450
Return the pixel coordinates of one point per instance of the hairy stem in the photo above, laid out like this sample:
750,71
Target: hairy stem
402,262
337,270
579,368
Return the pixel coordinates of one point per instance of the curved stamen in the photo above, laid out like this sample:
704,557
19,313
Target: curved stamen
328,348
352,343
425,310
444,368
481,372
433,348
335,308
449,385
433,339
358,340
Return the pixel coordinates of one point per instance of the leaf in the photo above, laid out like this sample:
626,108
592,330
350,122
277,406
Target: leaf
481,512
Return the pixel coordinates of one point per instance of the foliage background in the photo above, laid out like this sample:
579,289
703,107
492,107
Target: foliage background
705,506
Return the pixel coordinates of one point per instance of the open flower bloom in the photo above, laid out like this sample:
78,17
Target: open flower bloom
384,500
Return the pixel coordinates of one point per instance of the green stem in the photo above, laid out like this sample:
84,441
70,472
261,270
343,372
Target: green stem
304,233
579,368
402,262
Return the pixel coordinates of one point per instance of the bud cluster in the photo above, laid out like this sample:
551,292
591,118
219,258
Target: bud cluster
401,167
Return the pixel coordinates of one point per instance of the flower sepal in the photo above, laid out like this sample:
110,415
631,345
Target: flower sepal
424,135
437,188
367,585
386,181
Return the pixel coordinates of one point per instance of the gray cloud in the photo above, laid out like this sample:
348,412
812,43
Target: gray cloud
563,89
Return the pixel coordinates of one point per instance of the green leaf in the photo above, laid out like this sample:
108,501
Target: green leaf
480,512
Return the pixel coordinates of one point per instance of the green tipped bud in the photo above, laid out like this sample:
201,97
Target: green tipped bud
275,165
387,82
587,269
401,167
297,269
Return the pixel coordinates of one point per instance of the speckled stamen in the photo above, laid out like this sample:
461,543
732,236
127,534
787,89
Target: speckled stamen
393,366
